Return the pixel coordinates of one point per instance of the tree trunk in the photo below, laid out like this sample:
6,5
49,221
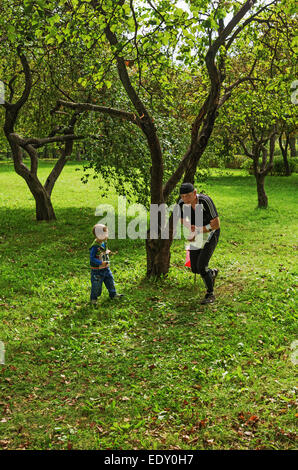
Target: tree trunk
262,197
284,151
44,208
78,155
43,205
45,152
42,194
286,164
158,257
292,143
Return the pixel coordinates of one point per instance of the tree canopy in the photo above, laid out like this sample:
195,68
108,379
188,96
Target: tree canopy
157,74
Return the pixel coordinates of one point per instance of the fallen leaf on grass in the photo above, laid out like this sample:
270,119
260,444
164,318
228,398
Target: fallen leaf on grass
198,387
194,441
253,419
60,418
4,443
202,423
248,419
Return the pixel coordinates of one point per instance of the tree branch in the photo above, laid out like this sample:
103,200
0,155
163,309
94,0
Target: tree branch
207,112
245,23
177,175
28,81
230,26
47,140
246,151
229,90
102,109
147,124
53,176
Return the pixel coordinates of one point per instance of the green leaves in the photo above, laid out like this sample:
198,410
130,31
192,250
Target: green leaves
11,32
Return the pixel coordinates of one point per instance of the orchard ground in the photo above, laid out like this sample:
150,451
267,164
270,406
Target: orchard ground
156,370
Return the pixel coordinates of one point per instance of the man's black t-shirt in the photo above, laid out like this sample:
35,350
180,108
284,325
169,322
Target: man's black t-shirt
209,209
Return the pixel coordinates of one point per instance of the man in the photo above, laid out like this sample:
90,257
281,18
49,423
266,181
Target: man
202,246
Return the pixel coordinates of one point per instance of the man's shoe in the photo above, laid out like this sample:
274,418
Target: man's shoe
214,274
117,297
209,299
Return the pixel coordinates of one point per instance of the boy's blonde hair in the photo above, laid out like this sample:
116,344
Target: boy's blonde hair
100,227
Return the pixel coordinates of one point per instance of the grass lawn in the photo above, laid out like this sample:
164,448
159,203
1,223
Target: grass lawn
156,370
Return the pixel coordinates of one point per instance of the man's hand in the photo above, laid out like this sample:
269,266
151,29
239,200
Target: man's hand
194,232
214,223
191,236
105,264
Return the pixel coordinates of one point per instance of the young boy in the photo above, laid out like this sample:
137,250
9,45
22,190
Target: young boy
99,264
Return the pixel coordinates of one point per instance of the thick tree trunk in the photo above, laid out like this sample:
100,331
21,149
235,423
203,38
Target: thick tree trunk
262,197
158,257
44,208
286,164
43,205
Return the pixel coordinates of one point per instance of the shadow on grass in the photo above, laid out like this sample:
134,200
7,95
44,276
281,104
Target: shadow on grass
72,224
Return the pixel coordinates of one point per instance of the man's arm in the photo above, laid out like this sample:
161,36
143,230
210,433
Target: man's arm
190,227
215,223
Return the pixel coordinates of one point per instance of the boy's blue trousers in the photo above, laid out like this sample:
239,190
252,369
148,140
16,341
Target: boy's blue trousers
99,276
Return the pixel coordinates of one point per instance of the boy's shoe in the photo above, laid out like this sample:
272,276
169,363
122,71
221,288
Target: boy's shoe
214,274
93,303
117,296
209,299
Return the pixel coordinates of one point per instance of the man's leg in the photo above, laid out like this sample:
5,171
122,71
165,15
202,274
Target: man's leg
208,275
194,255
